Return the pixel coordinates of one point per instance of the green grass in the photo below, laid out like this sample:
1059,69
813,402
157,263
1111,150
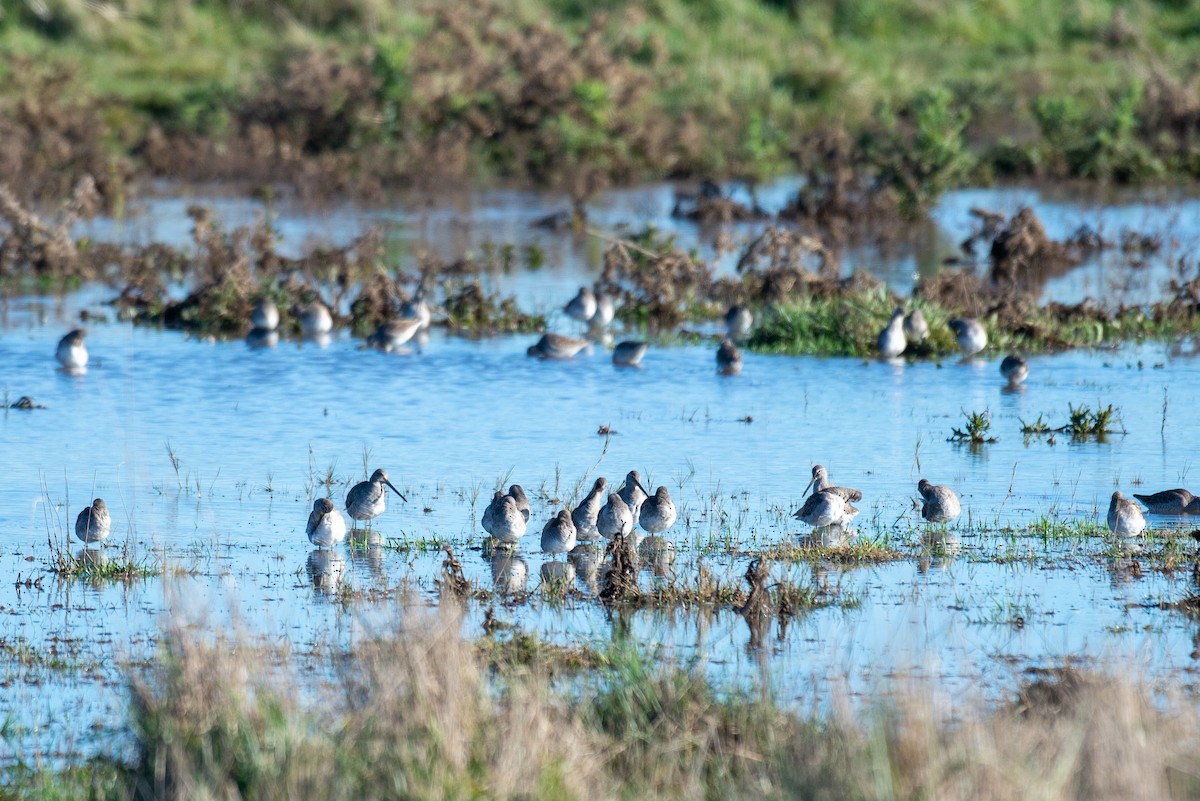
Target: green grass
848,325
931,96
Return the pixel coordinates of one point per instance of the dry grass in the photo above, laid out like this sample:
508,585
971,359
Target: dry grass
422,714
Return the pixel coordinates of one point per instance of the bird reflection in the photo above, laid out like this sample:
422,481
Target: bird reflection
510,572
326,568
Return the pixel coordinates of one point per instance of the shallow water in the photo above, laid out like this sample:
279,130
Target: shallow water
256,431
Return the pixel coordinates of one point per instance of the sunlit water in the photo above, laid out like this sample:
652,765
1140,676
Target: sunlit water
255,432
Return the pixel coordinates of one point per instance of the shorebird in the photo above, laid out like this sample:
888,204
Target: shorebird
1014,368
265,316
582,307
392,335
504,520
93,524
556,346
314,318
820,483
558,535
970,333
605,311
629,353
366,500
326,526
518,495
1171,502
633,493
615,518
584,515
915,327
657,513
417,309
72,354
826,508
941,503
738,321
1125,518
729,358
891,341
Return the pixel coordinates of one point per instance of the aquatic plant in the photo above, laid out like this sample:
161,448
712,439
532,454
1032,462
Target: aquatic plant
1082,423
975,432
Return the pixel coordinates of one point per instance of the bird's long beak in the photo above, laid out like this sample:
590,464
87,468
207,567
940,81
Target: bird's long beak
643,489
806,489
385,481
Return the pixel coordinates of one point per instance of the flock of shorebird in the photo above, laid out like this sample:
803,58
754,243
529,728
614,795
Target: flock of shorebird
608,515
616,515
911,329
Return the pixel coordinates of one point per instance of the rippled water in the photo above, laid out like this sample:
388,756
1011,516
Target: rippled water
256,431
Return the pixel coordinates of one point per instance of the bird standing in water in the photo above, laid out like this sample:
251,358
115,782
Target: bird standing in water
93,523
326,526
367,500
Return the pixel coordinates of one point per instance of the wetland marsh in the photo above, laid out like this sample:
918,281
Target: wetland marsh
209,454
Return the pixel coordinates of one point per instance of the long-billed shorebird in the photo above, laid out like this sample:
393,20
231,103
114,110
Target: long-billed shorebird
1125,518
970,333
584,515
940,502
826,508
1014,368
265,316
729,358
504,520
820,482
629,353
326,526
738,321
582,307
93,524
657,513
72,353
558,535
366,500
915,327
615,518
556,346
633,493
891,341
1171,502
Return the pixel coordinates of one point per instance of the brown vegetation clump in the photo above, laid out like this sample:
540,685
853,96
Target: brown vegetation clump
32,245
573,113
1023,257
663,287
308,127
840,197
50,142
